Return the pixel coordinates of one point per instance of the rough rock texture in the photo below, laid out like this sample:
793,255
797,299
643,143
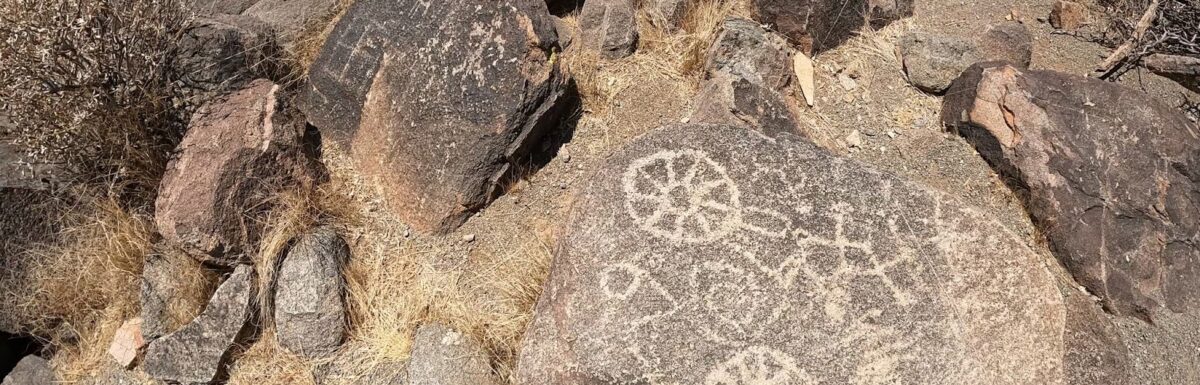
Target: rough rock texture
436,100
442,356
669,14
705,254
127,343
932,62
744,49
162,285
310,309
217,7
289,18
1095,351
736,101
818,25
1111,175
609,27
237,153
224,52
199,352
1068,15
31,370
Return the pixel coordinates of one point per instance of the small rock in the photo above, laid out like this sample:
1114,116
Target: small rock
127,343
669,13
443,356
468,238
1068,15
310,309
199,352
744,103
609,27
806,76
846,81
31,370
854,140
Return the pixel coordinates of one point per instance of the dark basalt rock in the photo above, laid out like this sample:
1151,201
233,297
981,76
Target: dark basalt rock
818,25
436,100
1112,177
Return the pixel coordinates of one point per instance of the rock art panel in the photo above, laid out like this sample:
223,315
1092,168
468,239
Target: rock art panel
710,254
436,99
1111,173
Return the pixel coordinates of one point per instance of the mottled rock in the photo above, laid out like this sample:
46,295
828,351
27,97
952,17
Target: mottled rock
239,152
167,279
442,356
127,343
31,370
704,254
199,352
1095,351
224,52
290,18
818,25
931,62
1068,15
736,101
744,49
1111,173
436,100
310,309
609,27
669,14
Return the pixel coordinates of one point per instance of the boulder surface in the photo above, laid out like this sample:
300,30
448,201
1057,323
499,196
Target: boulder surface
818,25
442,356
746,50
609,27
706,254
931,62
1111,173
310,309
435,101
31,370
238,152
199,352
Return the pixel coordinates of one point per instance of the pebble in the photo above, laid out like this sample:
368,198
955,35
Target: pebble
469,238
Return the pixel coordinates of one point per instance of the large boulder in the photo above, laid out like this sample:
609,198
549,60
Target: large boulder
238,153
744,49
705,254
1111,173
931,61
818,25
31,370
199,352
609,27
436,100
442,356
310,308
225,52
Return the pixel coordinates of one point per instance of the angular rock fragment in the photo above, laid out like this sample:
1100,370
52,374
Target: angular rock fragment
127,343
436,100
443,356
669,14
744,49
743,103
224,52
717,255
931,62
818,25
171,287
310,309
31,370
239,152
199,352
1112,177
609,27
1068,15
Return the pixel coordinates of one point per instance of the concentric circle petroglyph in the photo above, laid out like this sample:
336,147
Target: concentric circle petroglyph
683,196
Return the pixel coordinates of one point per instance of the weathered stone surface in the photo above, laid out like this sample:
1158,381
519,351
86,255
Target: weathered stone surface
818,25
1068,15
127,343
217,7
708,254
669,14
167,278
609,27
436,100
224,52
744,103
310,309
744,49
442,356
1095,351
31,370
289,18
238,152
199,352
932,62
1111,175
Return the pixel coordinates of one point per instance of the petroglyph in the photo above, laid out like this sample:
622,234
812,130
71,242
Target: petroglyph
717,255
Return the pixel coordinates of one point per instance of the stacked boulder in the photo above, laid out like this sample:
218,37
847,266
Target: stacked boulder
932,61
